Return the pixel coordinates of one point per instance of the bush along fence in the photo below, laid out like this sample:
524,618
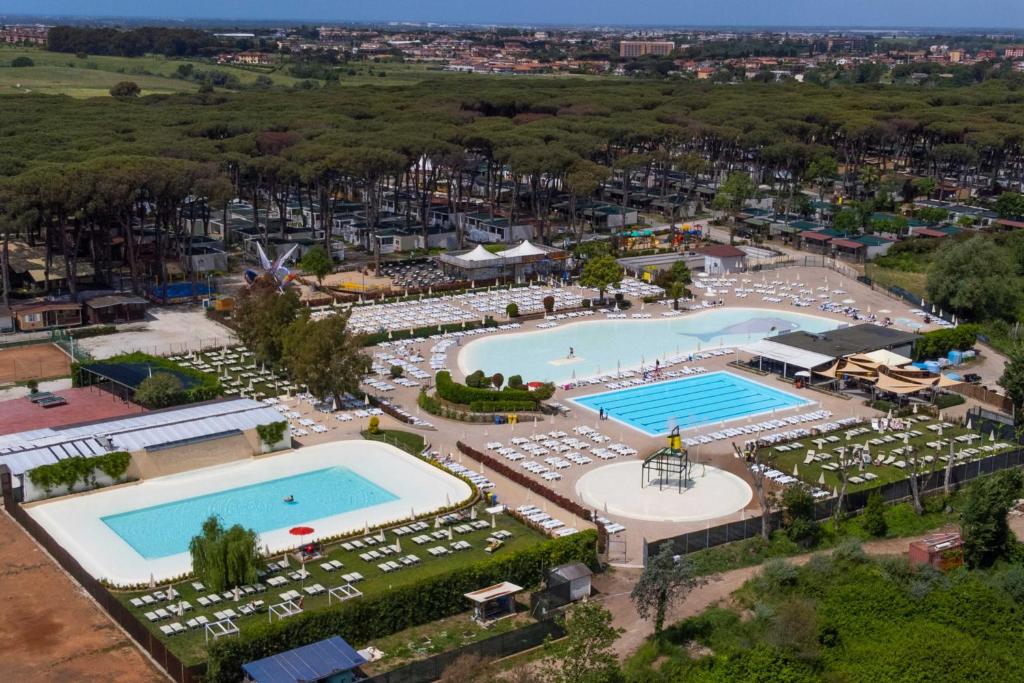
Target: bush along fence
495,647
421,602
928,482
138,632
535,486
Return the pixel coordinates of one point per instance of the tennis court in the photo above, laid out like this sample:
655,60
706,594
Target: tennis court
33,361
690,402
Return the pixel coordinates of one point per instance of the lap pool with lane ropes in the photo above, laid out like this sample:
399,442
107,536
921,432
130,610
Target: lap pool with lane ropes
690,402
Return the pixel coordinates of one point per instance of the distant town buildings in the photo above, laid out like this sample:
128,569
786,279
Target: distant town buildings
24,35
641,48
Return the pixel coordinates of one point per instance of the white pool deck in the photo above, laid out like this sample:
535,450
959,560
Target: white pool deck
75,522
615,489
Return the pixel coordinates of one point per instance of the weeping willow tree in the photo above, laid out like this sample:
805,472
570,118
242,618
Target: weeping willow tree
224,558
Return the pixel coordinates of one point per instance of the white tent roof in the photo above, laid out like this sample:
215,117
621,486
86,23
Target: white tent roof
523,249
787,354
886,357
478,254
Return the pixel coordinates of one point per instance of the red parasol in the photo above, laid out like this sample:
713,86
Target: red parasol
301,530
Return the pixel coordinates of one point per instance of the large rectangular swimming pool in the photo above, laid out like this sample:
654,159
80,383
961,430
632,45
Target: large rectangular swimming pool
162,530
690,402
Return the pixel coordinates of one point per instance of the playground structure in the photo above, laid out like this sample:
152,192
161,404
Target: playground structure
669,466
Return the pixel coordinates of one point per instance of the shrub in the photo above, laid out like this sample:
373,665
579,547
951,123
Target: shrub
1013,583
69,471
272,433
778,573
160,390
515,382
32,385
512,310
938,343
497,379
874,516
549,303
374,425
943,401
396,371
22,61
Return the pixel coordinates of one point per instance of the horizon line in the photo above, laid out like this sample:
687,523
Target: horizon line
437,23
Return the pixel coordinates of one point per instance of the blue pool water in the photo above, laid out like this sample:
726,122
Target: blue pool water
166,529
689,402
600,345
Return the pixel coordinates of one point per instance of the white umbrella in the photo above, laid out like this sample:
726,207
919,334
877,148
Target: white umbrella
821,478
472,513
796,471
398,545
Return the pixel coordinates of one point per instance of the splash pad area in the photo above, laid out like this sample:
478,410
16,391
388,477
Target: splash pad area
621,489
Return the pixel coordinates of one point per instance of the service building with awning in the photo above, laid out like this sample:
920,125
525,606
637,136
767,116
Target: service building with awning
787,360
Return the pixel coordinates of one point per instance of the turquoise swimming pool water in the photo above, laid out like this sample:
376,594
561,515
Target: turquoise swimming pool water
599,346
166,529
690,402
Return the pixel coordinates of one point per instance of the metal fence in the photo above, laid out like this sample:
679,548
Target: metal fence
164,658
928,482
495,647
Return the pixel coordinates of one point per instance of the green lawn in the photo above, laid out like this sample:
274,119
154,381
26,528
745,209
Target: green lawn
792,461
915,282
57,73
407,441
190,646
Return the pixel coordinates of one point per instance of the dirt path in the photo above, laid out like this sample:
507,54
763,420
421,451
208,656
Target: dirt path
50,630
615,587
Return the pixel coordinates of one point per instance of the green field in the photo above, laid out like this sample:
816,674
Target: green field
57,73
190,646
792,460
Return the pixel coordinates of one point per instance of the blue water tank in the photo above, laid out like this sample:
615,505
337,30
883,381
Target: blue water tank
955,357
932,367
920,365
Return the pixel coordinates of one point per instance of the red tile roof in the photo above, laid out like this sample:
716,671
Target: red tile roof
816,236
847,244
928,232
84,404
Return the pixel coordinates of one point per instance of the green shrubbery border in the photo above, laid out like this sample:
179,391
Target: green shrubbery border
363,619
70,471
453,392
271,433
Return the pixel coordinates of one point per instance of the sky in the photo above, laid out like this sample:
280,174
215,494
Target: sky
1003,14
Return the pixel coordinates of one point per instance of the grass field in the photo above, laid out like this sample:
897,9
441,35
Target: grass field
924,444
58,73
190,646
914,282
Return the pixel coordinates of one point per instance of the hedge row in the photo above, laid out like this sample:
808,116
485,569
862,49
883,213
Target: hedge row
364,619
501,406
522,479
453,392
944,401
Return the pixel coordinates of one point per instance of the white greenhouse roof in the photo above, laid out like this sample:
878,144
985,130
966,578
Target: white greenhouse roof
23,451
786,354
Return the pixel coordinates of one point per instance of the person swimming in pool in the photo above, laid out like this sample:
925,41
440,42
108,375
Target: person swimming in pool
572,352
289,499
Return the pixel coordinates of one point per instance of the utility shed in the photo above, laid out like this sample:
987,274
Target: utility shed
570,581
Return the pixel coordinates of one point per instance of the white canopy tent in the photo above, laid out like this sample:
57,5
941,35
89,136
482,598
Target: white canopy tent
787,355
524,248
479,255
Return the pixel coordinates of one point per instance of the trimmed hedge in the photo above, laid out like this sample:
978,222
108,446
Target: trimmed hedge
944,401
530,483
501,406
453,392
360,621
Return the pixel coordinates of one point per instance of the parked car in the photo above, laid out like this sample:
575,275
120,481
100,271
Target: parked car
972,378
